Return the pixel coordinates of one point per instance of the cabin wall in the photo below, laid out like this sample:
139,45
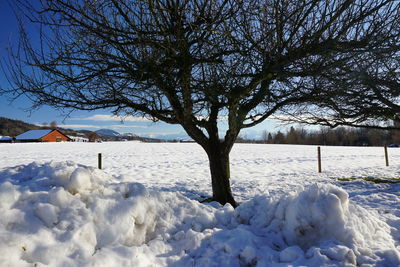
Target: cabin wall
55,136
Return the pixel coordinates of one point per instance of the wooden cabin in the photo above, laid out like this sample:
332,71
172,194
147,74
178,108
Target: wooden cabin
42,135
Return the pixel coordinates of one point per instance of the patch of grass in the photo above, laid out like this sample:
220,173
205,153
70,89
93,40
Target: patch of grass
207,200
346,179
371,179
378,180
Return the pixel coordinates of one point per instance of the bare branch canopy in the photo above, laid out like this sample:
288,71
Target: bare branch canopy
191,62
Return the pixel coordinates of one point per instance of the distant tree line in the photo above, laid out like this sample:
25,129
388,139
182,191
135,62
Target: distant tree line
9,127
341,136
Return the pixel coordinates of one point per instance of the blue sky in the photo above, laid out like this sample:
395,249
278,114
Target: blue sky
20,108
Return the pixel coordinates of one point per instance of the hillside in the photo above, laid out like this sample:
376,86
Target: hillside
9,127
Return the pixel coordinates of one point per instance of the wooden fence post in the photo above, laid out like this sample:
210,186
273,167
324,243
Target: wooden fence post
319,159
99,161
386,156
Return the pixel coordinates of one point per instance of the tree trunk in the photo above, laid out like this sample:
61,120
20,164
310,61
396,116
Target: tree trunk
219,167
218,156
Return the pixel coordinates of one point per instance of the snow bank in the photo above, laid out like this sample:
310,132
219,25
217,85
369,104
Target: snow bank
67,214
319,226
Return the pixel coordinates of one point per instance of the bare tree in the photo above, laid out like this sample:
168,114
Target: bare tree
53,125
292,136
196,62
93,136
264,136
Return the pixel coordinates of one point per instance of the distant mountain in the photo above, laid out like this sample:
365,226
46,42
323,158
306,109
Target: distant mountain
173,136
108,132
129,135
111,133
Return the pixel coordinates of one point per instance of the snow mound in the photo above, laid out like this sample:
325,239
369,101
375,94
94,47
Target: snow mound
65,214
318,224
38,176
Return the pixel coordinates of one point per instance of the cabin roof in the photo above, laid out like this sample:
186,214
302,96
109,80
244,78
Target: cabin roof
33,134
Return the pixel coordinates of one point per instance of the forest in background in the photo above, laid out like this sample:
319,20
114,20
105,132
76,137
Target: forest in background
340,136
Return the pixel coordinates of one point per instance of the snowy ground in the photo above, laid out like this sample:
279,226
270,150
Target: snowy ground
57,209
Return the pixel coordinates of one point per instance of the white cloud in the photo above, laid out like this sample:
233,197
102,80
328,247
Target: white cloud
125,126
105,117
114,126
80,126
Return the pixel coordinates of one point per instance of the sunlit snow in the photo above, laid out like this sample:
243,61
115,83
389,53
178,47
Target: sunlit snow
142,208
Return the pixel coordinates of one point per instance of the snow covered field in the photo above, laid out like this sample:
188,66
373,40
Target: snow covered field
57,209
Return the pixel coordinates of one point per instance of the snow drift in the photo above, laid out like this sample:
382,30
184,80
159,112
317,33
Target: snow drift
67,214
